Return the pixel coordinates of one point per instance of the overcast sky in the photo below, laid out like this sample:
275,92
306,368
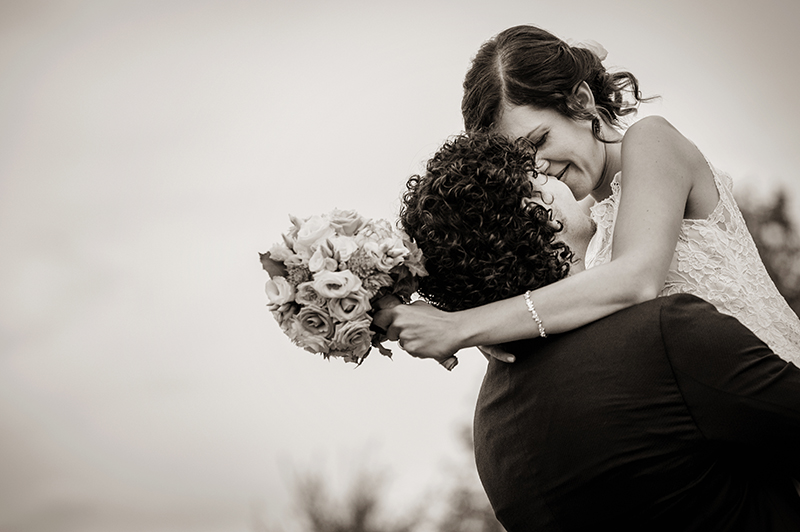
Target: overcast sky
150,149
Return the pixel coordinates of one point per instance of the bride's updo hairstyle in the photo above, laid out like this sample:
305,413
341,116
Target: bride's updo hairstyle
526,65
481,241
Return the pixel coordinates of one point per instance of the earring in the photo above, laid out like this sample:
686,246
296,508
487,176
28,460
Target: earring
596,126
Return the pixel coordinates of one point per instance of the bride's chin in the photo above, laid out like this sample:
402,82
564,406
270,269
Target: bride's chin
578,192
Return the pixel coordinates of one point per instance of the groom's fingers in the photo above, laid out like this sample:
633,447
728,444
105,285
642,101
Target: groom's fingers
387,302
383,319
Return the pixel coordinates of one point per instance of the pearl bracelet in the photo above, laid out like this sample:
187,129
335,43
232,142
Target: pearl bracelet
534,315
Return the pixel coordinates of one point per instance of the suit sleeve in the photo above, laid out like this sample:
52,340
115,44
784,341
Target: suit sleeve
736,389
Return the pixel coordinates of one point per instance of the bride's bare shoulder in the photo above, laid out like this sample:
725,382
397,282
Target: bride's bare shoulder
654,130
654,136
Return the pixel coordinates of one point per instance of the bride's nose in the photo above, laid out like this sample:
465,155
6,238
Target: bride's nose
542,166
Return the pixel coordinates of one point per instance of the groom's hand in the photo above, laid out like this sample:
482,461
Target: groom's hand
421,330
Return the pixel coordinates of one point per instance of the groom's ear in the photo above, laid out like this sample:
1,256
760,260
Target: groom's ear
585,96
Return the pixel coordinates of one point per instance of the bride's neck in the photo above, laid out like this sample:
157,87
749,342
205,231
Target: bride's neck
612,164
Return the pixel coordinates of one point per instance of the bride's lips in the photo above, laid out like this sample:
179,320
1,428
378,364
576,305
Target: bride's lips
561,173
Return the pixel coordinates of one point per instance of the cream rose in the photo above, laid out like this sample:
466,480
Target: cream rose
335,284
310,342
306,295
279,291
347,222
353,337
350,307
315,320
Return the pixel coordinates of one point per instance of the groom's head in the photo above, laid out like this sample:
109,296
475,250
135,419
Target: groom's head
489,227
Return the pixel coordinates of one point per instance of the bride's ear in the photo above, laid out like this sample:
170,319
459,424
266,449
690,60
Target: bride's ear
584,96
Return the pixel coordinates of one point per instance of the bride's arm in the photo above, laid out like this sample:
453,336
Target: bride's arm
660,166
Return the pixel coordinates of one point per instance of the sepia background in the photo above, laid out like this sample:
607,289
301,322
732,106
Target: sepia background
150,149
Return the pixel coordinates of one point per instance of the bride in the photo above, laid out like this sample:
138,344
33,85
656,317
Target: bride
676,228
665,416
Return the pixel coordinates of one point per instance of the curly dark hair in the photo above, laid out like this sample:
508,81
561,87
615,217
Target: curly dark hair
526,65
481,241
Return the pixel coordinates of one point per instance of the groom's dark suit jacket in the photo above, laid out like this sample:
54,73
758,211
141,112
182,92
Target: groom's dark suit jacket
665,416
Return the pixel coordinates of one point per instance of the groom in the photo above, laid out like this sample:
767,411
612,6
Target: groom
665,416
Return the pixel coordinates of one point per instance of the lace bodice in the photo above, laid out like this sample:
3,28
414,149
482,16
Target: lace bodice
715,259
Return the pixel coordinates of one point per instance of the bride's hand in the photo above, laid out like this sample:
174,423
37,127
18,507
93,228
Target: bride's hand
495,351
421,330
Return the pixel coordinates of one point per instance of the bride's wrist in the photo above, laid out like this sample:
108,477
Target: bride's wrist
467,331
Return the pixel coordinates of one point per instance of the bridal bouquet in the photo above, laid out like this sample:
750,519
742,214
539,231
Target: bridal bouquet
328,272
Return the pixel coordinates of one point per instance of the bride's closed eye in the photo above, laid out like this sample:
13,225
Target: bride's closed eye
541,166
539,142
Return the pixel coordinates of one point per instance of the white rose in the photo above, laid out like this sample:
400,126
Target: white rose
314,230
335,284
279,291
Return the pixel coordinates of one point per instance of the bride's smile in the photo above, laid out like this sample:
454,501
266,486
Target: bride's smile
565,148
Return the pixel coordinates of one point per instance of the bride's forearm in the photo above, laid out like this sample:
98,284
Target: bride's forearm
561,306
427,332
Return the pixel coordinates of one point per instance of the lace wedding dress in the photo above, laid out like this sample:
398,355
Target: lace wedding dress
715,259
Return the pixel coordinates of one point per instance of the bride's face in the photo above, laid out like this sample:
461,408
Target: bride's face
566,148
577,227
